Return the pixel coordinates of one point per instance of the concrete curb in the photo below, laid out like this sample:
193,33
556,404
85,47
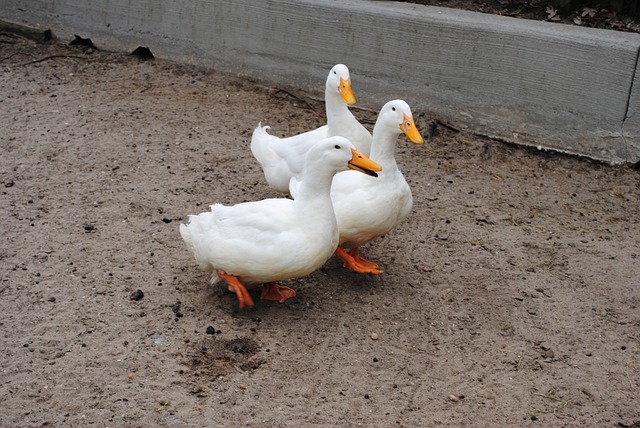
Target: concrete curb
566,88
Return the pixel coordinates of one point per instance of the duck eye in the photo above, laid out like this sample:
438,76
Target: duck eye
393,108
337,147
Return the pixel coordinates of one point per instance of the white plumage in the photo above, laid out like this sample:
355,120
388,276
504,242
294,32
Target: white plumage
275,239
367,208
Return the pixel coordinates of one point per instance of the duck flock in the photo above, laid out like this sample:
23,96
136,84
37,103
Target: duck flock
346,190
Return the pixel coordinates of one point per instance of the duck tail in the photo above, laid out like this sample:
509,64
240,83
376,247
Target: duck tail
261,130
260,142
186,234
197,226
260,133
192,234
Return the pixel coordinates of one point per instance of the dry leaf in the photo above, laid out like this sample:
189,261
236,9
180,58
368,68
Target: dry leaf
552,13
588,11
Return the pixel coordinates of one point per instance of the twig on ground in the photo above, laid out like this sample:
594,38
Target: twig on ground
16,53
448,126
628,375
51,57
295,97
9,57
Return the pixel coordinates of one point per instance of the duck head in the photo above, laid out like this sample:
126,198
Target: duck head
397,113
340,80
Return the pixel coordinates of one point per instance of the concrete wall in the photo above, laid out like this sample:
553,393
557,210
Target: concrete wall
550,85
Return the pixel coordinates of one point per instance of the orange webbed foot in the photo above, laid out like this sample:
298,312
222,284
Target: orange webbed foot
355,253
357,263
276,292
244,299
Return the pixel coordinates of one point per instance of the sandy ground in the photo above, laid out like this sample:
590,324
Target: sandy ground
510,295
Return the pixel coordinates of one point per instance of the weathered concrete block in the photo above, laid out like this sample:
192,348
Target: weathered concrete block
557,86
631,128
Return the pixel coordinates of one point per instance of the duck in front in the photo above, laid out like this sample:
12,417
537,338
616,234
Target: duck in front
276,239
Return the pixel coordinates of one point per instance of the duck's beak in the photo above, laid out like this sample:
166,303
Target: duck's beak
411,130
360,162
346,92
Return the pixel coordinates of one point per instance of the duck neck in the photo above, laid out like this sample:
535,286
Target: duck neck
315,184
383,148
337,110
314,188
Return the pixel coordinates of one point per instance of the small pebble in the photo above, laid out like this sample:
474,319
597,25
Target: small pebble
211,330
375,336
137,295
51,299
453,398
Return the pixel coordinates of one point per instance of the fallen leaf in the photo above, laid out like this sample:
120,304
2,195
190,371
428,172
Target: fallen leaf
552,13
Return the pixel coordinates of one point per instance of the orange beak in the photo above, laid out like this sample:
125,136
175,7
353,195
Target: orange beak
346,92
360,162
411,130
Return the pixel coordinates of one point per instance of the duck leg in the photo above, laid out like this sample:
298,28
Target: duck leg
276,292
244,299
353,261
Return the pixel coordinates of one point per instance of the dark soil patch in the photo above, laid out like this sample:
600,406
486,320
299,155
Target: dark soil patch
216,357
591,15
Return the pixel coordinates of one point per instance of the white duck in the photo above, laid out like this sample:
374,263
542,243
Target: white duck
368,208
282,158
276,239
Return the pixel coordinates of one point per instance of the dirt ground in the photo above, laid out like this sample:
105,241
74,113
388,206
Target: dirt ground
510,295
